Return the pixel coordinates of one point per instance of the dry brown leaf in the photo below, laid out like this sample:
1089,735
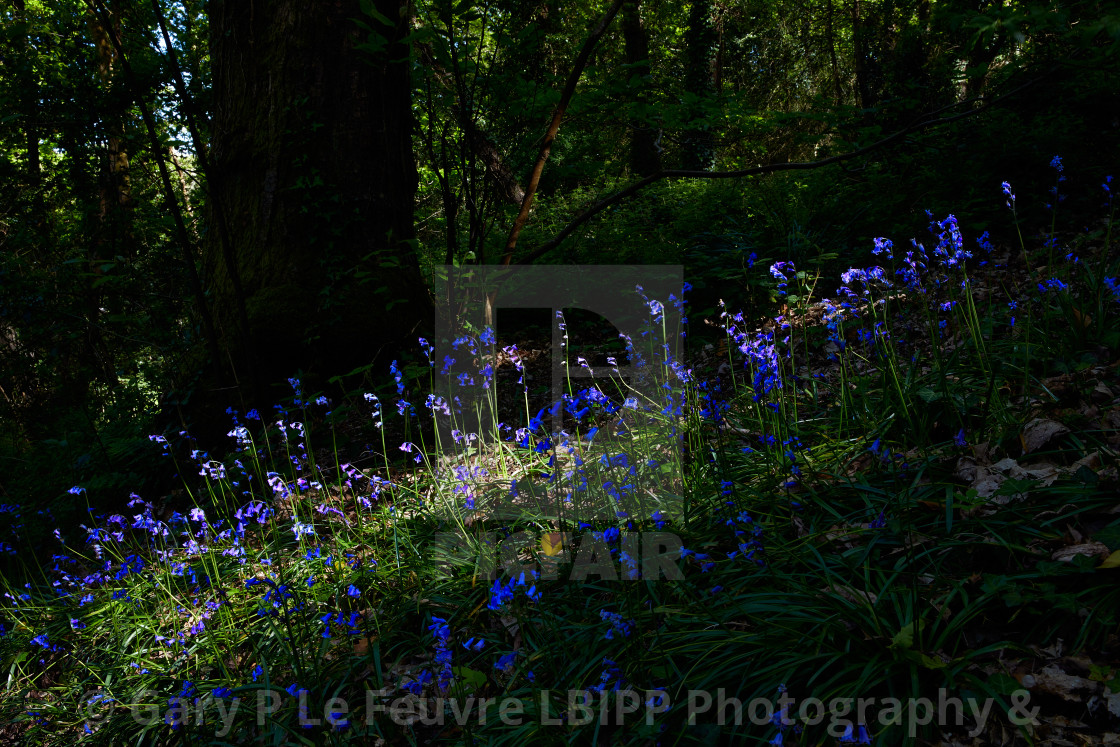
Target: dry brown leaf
853,595
1040,432
1054,681
1091,549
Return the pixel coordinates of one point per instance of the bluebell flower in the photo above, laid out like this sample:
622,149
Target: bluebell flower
442,633
505,663
1113,287
618,624
855,737
884,246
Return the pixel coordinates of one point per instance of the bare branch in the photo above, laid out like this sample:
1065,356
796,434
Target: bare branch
921,124
554,126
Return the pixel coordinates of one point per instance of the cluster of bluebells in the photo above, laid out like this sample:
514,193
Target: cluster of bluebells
442,635
126,550
618,625
504,594
760,355
1112,285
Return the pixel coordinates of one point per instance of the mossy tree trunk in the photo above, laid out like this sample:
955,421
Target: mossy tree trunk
311,161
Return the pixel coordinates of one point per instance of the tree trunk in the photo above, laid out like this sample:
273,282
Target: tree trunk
863,74
644,156
113,234
699,140
834,65
27,80
313,165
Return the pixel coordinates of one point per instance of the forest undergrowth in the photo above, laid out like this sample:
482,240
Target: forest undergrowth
888,514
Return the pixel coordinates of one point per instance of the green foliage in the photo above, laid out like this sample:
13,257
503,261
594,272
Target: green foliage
881,571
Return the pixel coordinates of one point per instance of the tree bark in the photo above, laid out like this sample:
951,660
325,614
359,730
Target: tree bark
312,158
644,156
834,65
699,141
863,75
30,100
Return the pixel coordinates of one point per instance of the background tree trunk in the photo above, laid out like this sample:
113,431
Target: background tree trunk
699,140
644,156
312,154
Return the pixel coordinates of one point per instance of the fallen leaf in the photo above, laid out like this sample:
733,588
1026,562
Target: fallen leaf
1112,561
1040,432
553,543
1054,681
853,595
1092,549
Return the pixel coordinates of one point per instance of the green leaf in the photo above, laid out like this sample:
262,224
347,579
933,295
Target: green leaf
928,395
370,10
925,660
905,637
472,677
1109,536
1101,672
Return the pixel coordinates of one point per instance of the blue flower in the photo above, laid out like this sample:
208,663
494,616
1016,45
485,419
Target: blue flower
618,625
862,737
500,594
505,663
1113,286
353,592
